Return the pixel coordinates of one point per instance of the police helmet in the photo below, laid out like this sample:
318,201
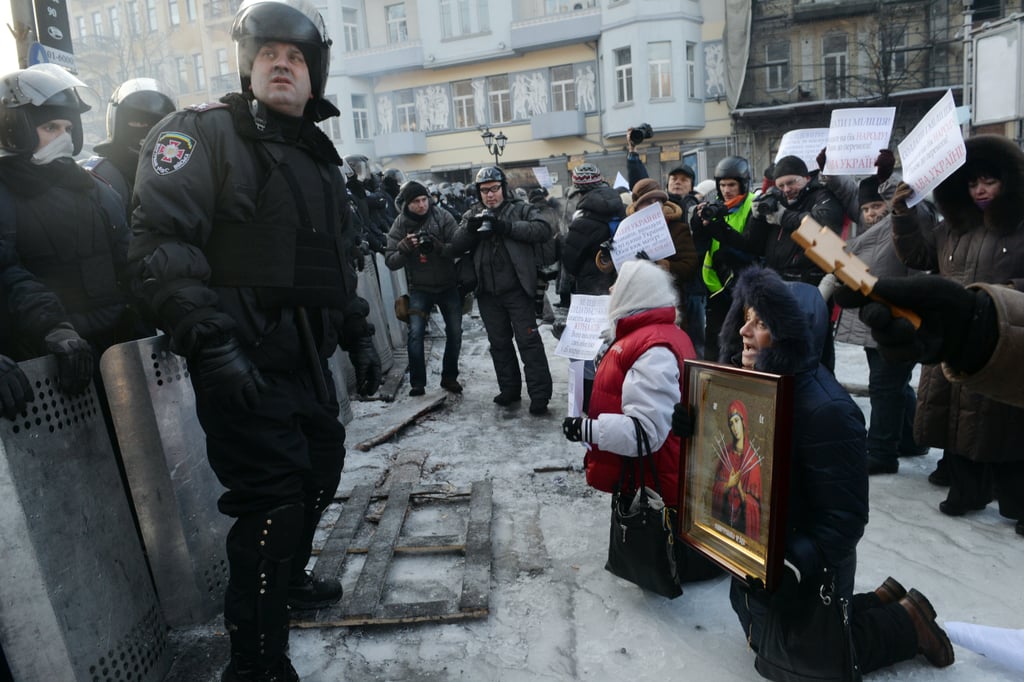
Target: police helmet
360,166
134,107
33,96
734,168
491,174
288,21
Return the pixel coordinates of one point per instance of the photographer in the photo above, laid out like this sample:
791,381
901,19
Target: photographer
420,240
501,231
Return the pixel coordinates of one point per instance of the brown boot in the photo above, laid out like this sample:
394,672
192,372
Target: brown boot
931,639
891,591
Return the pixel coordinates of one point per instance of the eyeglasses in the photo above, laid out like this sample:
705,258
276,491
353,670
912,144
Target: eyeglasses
490,190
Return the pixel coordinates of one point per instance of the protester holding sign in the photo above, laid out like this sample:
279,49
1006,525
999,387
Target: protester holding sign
981,239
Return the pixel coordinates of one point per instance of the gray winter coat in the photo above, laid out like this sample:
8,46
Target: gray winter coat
434,271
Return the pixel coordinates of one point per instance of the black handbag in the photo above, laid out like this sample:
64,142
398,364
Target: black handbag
641,541
814,644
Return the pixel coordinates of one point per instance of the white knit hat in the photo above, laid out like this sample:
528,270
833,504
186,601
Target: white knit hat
641,285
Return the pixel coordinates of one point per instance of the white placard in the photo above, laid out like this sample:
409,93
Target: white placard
933,150
805,143
1002,645
543,176
587,318
576,373
620,181
855,136
646,231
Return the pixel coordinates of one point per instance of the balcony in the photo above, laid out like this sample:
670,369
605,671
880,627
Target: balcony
379,60
815,10
403,143
558,124
555,29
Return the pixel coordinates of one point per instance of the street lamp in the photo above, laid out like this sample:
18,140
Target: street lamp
495,143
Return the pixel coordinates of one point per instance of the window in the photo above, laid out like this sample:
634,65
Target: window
463,103
623,75
360,117
563,88
133,16
190,9
97,23
332,126
659,65
182,68
894,46
398,29
405,108
463,17
151,21
776,60
222,62
350,27
199,70
115,21
691,70
174,12
986,10
834,53
499,99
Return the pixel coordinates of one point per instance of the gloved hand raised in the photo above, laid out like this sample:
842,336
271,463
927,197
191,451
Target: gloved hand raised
958,325
572,429
884,165
366,362
15,389
899,199
227,375
74,358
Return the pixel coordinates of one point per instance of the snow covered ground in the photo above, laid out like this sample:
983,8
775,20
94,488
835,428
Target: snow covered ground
556,614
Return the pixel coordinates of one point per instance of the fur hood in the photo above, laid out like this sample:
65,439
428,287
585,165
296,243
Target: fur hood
794,312
1004,213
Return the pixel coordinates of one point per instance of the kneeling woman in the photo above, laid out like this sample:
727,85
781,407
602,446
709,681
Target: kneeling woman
779,327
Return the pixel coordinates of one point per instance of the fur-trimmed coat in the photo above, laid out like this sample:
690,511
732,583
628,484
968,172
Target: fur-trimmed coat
969,246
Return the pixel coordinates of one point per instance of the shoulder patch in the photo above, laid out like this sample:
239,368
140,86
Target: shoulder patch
206,106
172,151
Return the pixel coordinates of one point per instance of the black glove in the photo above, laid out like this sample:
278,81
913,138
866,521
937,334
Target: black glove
899,199
642,255
572,427
366,362
74,359
501,226
958,325
15,389
682,421
884,165
788,598
474,222
227,375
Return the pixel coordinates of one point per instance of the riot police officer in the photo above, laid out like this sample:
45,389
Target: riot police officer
243,242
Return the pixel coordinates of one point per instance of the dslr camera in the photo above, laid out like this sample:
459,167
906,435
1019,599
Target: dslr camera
769,202
487,215
642,132
424,242
713,211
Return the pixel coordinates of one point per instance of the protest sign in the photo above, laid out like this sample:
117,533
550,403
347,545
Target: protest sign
804,144
543,176
855,136
587,318
933,150
620,181
645,231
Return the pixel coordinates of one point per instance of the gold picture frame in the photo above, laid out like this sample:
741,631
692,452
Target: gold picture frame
735,468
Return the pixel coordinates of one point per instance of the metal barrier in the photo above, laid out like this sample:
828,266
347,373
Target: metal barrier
77,600
369,288
392,285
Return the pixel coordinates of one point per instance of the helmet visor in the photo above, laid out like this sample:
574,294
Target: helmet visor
37,84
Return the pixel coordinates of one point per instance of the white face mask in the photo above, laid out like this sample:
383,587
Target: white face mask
60,147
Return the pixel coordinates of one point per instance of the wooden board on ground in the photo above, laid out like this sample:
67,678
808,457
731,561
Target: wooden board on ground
373,530
421,410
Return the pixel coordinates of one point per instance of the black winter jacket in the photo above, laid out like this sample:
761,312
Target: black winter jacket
595,213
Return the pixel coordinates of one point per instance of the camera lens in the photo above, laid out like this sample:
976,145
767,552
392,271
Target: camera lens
636,136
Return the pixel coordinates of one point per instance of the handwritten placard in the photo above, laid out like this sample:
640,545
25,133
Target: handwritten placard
933,150
805,144
855,136
645,231
587,318
543,176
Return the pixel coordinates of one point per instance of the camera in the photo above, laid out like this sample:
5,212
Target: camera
769,202
488,216
642,132
713,211
424,242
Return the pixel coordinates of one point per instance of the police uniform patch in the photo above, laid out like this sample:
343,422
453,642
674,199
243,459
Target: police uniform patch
172,152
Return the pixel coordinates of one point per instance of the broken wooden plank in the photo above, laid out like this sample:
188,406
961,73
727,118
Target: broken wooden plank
332,557
441,491
357,621
434,404
371,580
476,579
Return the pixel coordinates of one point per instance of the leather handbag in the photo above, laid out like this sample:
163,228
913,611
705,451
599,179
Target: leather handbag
812,644
641,541
402,308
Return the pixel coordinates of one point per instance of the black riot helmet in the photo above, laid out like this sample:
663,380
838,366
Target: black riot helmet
491,174
733,168
134,107
360,166
288,21
33,96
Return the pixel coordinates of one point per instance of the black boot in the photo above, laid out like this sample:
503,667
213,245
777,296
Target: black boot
240,670
313,592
